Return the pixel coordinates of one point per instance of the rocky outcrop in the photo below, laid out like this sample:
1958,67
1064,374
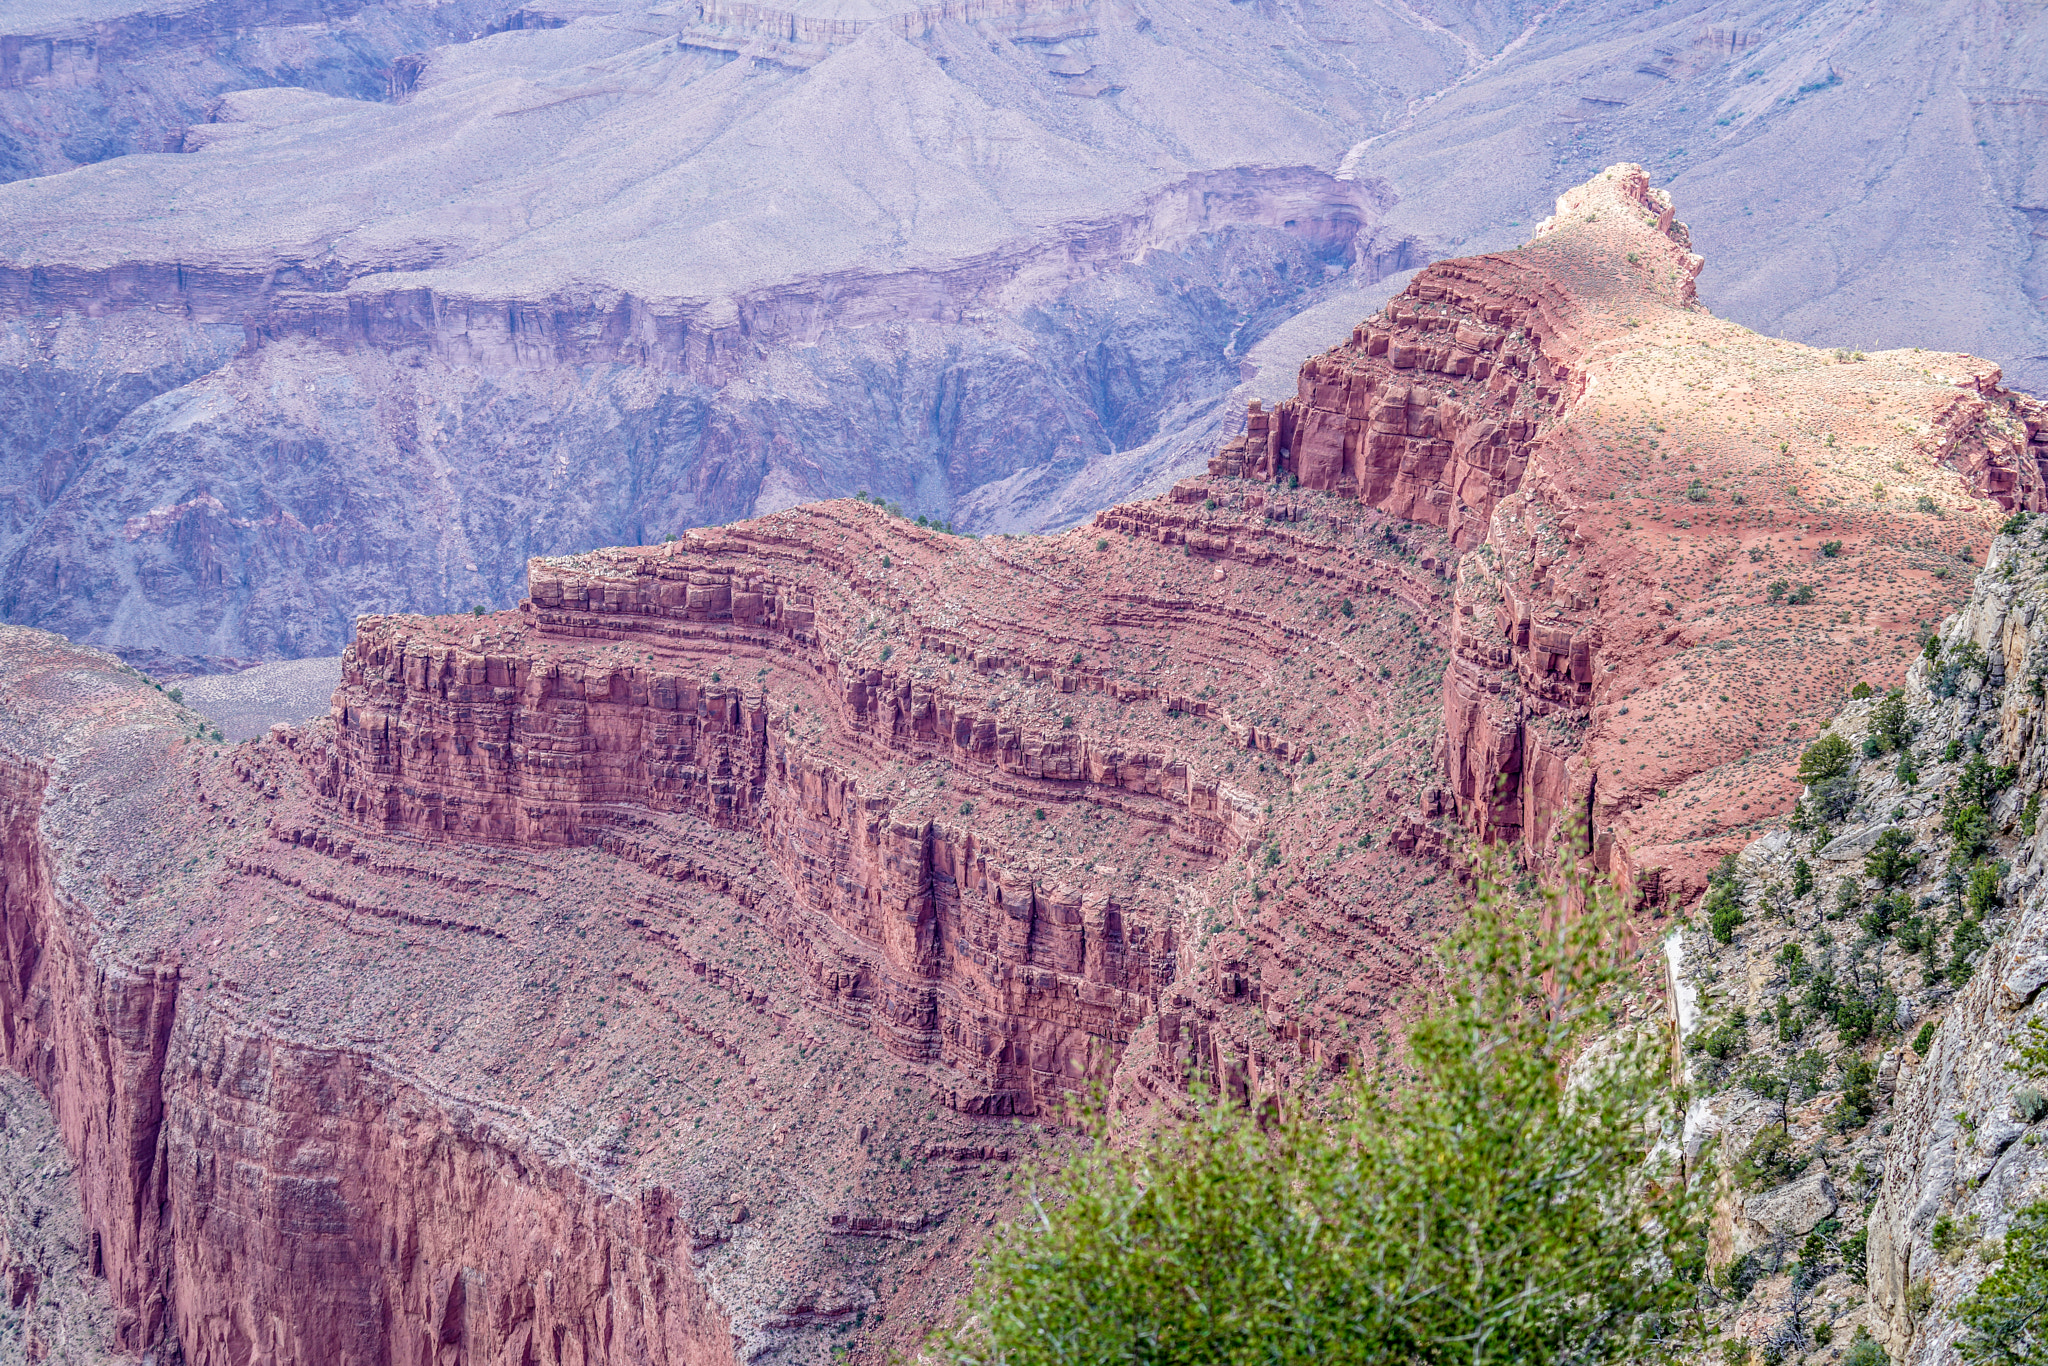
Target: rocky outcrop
1875,1204
1662,512
599,704
587,985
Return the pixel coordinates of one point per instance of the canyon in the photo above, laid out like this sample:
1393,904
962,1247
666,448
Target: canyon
676,965
320,309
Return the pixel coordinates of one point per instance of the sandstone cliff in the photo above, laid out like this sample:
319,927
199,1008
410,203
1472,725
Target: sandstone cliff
1687,540
668,968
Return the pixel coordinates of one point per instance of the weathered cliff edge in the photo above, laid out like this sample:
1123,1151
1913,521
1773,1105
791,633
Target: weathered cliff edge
661,971
725,910
257,1189
1630,475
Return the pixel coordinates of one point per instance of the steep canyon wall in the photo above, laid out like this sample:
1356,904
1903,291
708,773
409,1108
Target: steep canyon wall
1658,509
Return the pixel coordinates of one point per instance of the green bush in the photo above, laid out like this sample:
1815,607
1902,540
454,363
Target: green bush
1969,827
1889,723
1472,1215
1859,1101
1864,1351
1802,595
1965,944
1860,691
1924,1039
1724,913
1983,897
1891,860
1856,1255
1827,757
1770,1160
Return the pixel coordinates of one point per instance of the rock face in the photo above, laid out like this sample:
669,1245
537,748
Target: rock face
1667,512
665,969
1881,1214
255,383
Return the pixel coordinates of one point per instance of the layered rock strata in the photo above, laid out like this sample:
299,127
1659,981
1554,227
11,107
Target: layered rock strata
1685,540
737,907
665,970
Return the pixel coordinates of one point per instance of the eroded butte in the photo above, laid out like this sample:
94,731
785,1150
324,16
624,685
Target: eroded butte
669,968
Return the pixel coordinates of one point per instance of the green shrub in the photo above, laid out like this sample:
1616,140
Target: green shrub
1855,1019
2005,1319
1983,897
1969,827
1828,551
1724,913
1889,722
1859,1101
1778,588
1474,1206
1924,1039
2014,525
1770,1160
1802,595
1802,877
1965,944
2030,814
1860,691
1856,1255
1891,860
1912,932
1864,1351
1827,757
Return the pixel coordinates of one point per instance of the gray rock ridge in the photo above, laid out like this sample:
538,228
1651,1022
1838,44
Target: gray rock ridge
1932,1173
83,81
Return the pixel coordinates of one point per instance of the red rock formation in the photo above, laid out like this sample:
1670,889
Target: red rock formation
601,704
617,949
645,974
1520,401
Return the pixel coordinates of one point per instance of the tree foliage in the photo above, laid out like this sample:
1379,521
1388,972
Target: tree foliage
1827,757
2006,1317
1505,1207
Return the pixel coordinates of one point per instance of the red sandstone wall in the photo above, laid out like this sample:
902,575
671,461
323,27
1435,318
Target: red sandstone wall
229,1174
